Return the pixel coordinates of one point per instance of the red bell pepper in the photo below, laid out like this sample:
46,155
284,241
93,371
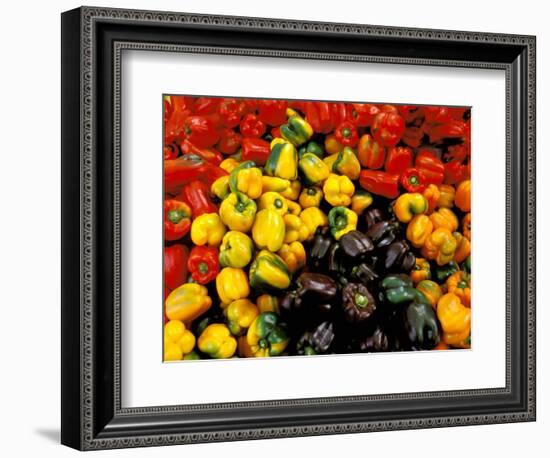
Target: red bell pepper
455,171
206,105
413,136
361,114
413,180
189,167
452,130
180,109
275,132
457,152
346,134
250,105
231,111
320,116
436,115
410,113
380,183
201,131
370,153
339,113
431,166
398,159
251,126
272,112
229,141
255,149
203,264
388,128
170,151
208,154
197,195
177,219
175,265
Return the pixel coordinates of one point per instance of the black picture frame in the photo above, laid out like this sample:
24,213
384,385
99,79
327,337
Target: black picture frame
92,42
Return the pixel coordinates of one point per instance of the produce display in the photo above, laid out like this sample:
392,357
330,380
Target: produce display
307,228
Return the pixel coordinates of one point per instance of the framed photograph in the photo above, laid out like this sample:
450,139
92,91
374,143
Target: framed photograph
277,228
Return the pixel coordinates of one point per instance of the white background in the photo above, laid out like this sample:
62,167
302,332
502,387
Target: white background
146,76
30,243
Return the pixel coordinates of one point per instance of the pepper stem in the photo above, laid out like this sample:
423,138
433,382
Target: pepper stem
361,300
203,268
175,216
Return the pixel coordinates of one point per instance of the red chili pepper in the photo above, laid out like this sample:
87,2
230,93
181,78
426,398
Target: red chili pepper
320,116
201,131
231,111
388,128
431,166
251,126
229,141
346,134
197,195
380,183
203,264
455,172
451,130
370,153
272,112
361,114
177,219
175,265
255,149
413,180
170,151
209,155
206,105
398,159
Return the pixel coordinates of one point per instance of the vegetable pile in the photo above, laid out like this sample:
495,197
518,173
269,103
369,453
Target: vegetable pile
302,228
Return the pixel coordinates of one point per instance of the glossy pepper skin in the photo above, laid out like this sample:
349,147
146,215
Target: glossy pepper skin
207,229
421,271
296,131
236,250
313,148
220,188
398,257
274,184
431,194
431,167
187,302
246,178
255,149
313,169
467,226
229,141
347,164
398,160
346,134
269,272
431,291
418,230
383,233
398,289
203,264
268,230
231,112
408,205
361,200
273,201
388,128
237,212
232,284
175,265
413,180
317,341
311,299
355,244
252,126
196,194
178,341
200,131
358,303
319,251
294,255
240,315
421,326
341,221
446,196
217,342
455,171
462,196
295,229
283,160
459,284
380,183
441,273
267,303
293,191
186,168
455,319
272,112
463,247
370,153
445,218
310,197
267,335
313,218
338,190
440,246
209,155
177,219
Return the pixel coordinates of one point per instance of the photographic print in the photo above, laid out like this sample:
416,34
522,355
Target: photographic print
296,227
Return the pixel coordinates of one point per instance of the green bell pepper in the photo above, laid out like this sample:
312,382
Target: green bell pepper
269,272
313,169
282,161
399,289
341,221
297,130
267,336
312,147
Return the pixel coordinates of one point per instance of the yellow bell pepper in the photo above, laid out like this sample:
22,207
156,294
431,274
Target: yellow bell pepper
217,342
297,130
444,217
467,226
459,284
294,208
446,196
248,181
338,190
463,247
295,229
431,194
313,218
294,256
268,230
178,341
236,250
440,245
267,303
347,164
418,230
310,197
421,271
341,221
313,169
267,336
409,204
283,160
274,201
330,160
220,187
187,302
431,291
455,319
293,191
275,184
332,146
232,284
269,272
361,200
237,212
229,164
207,229
240,315
462,196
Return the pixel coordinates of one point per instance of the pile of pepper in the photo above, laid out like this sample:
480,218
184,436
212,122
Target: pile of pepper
299,228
